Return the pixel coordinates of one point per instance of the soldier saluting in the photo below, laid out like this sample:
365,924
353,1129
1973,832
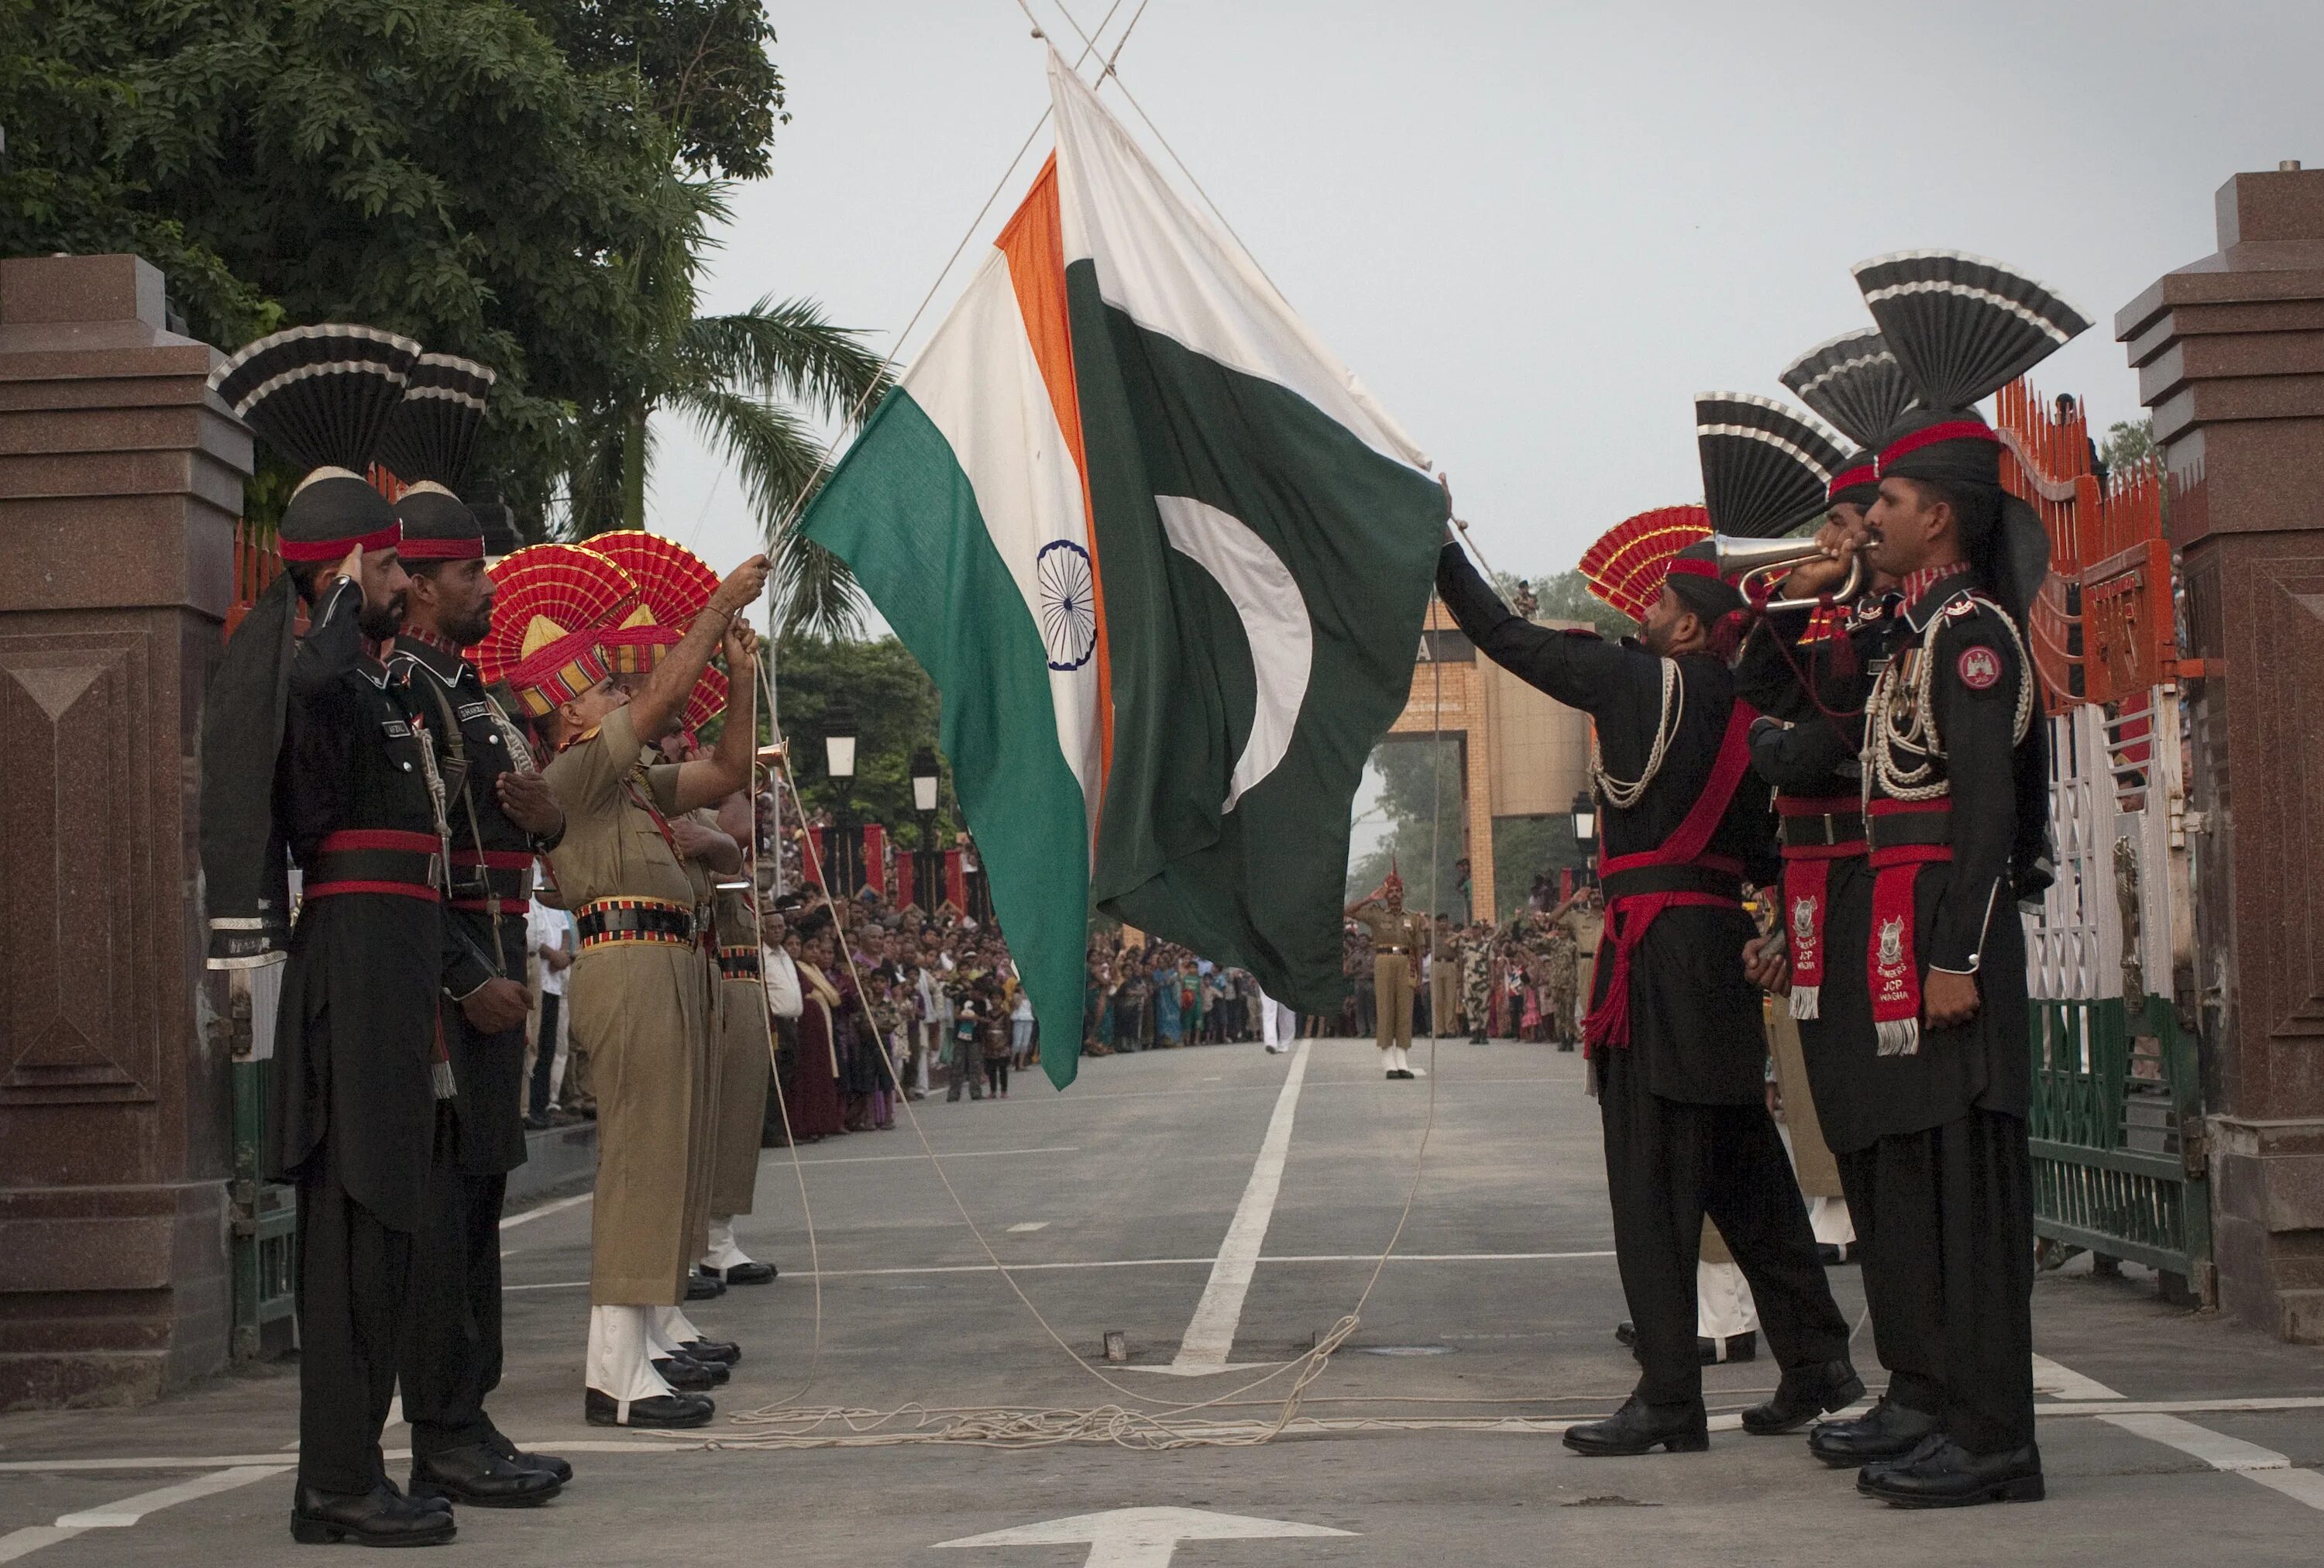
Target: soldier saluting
500,816
310,744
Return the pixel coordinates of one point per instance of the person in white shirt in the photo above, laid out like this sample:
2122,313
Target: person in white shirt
548,933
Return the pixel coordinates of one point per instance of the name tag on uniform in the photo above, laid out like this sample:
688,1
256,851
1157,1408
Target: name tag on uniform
396,730
468,712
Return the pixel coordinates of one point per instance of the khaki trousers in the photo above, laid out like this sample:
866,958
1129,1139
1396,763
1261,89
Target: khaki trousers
743,1068
1392,990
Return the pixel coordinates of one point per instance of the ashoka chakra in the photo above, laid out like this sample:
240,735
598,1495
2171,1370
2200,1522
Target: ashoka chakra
1066,605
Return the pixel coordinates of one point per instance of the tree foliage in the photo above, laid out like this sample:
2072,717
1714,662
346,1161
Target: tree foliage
702,66
896,708
526,182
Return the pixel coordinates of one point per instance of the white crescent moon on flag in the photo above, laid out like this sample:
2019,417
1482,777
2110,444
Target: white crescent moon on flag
1274,616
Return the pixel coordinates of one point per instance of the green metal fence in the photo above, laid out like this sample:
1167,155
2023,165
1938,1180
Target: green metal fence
266,1215
2118,1157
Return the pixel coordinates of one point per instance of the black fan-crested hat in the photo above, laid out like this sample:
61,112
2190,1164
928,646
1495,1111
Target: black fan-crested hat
1855,382
429,442
1765,466
321,397
1962,327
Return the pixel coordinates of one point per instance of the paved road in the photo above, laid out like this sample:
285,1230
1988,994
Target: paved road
1118,1199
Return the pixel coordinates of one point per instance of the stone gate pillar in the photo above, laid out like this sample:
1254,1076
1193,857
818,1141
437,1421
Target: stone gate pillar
120,479
2230,356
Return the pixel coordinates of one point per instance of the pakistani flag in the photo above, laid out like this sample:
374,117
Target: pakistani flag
1167,560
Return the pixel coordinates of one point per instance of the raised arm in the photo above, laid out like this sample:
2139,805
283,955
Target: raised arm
709,780
654,710
1579,669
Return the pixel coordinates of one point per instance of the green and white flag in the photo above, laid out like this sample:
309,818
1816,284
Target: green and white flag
1167,562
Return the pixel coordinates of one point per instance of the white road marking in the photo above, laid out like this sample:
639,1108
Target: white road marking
958,1153
1146,1263
2216,1449
2225,1405
2155,1421
512,1222
2065,1383
1027,1227
1143,1537
1210,1335
121,1515
2231,1454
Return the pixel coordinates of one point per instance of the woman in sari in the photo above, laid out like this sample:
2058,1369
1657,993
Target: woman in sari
815,1091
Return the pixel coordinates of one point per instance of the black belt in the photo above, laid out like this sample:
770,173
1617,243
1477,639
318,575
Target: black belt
1679,878
1892,829
627,921
1822,831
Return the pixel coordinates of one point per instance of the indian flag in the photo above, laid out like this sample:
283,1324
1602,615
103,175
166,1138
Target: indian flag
1167,560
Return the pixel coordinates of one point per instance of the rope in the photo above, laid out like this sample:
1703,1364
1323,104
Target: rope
785,1424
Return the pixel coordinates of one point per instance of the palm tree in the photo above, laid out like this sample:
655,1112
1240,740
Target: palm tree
751,383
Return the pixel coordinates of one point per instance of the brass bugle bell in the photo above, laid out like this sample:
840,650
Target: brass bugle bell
1741,561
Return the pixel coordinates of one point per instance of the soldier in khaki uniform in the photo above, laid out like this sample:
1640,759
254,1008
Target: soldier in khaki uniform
743,1065
642,984
1397,938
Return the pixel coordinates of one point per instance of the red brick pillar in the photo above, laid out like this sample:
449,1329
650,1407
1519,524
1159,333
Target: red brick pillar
120,479
2230,356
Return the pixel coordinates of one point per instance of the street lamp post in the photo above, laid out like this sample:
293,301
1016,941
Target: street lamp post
839,733
1585,833
924,779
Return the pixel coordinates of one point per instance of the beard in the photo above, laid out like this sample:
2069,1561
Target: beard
469,630
379,622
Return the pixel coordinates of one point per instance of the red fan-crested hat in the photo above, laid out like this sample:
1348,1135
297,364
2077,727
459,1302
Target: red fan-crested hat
674,586
1629,564
705,702
553,602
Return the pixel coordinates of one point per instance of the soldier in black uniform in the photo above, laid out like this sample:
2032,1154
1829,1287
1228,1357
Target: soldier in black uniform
1674,1026
1925,994
501,815
318,731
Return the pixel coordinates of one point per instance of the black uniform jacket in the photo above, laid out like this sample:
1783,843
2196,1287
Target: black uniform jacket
355,1037
1965,914
488,1109
1694,1020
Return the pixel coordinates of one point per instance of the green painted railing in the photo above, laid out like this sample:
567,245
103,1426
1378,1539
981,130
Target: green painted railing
2118,1161
265,1226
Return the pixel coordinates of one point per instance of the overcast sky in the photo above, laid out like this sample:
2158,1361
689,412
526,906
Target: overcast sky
1536,230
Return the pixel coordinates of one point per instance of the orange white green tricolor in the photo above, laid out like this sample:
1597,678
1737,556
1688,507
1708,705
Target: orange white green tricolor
1167,561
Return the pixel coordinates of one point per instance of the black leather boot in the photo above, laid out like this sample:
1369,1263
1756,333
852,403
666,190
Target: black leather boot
700,1287
1886,1431
381,1516
479,1474
664,1410
688,1376
1945,1475
1639,1427
559,1468
751,1273
1801,1396
725,1353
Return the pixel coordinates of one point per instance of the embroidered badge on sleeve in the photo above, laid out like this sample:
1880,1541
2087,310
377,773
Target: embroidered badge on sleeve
1979,668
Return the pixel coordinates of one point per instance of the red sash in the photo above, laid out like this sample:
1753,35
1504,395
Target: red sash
1892,972
1807,896
1628,917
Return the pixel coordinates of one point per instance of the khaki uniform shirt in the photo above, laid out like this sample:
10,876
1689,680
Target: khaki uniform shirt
640,1009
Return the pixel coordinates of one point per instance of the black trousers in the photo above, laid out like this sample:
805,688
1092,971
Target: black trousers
451,1355
544,1063
1946,1220
353,1272
1667,1164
